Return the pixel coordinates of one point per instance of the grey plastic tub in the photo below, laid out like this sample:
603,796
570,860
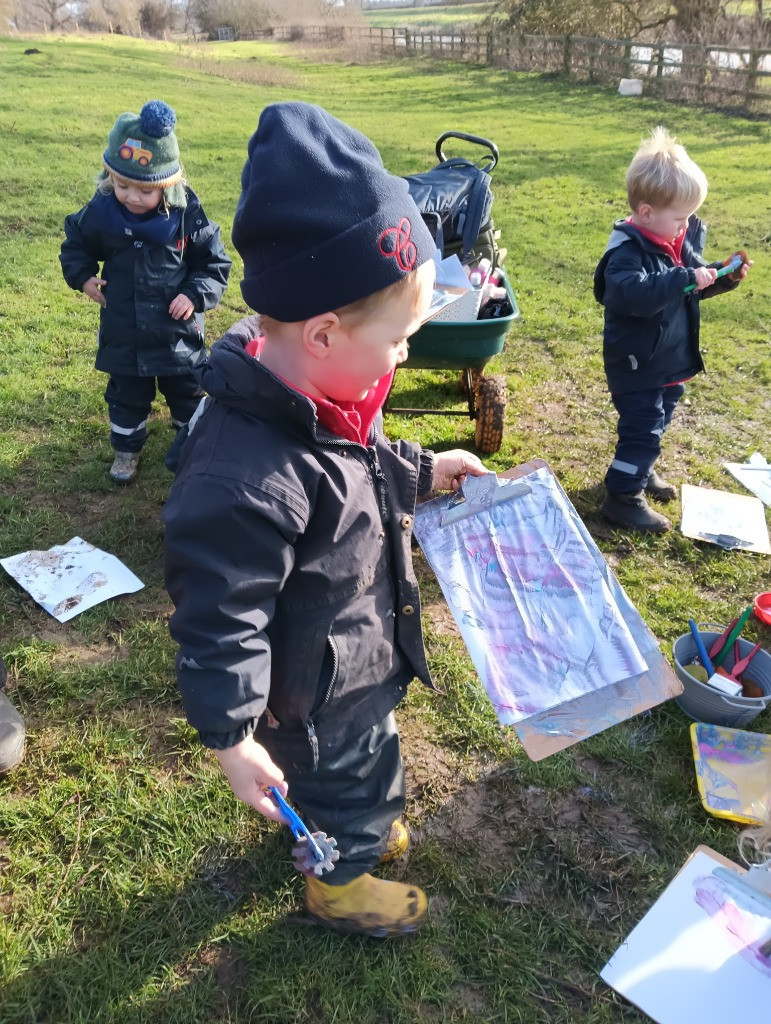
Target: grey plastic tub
706,704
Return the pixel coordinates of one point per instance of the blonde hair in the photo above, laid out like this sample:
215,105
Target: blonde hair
105,185
411,285
662,174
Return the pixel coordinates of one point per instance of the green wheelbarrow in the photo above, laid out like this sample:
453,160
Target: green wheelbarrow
466,346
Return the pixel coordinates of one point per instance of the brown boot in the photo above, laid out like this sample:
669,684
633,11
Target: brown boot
367,906
397,843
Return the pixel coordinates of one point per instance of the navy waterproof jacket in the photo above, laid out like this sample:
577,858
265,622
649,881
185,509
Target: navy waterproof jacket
651,335
288,560
137,335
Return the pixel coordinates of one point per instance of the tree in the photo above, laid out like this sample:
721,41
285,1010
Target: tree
114,15
51,14
156,17
245,17
702,20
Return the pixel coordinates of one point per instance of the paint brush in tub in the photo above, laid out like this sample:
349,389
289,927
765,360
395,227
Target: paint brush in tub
718,678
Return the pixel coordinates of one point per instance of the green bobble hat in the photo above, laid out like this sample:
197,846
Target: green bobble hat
143,147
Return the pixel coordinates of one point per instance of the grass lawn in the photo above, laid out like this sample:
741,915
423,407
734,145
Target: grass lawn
133,887
455,15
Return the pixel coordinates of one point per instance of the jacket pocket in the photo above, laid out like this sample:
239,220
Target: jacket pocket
661,331
300,672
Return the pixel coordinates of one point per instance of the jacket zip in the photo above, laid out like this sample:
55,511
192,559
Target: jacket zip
376,473
381,485
311,726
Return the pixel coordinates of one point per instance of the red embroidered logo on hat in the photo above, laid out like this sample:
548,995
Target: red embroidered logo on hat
396,242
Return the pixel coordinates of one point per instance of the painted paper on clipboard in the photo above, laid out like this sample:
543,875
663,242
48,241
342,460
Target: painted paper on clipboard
703,951
561,651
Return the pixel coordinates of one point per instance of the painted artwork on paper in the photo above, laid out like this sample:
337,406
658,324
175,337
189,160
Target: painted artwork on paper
738,917
69,578
526,586
733,772
700,953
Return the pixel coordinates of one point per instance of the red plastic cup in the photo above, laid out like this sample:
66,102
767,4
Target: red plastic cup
762,607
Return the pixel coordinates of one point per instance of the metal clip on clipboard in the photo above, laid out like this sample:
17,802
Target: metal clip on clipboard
756,884
480,494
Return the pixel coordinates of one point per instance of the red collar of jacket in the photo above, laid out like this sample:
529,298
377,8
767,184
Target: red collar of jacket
350,420
672,249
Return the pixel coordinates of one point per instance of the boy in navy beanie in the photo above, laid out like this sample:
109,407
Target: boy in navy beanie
288,527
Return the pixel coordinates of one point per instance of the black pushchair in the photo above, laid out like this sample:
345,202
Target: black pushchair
455,200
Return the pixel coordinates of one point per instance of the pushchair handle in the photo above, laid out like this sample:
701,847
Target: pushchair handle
476,139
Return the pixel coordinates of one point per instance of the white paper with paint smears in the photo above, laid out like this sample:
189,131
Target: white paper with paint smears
69,578
699,954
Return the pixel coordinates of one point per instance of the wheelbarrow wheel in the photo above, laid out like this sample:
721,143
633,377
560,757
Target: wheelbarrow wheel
491,411
476,376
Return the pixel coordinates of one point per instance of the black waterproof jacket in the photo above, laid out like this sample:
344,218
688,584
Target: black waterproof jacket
137,335
288,561
651,333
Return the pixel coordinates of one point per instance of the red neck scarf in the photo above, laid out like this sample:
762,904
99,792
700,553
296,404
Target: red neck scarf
349,420
672,249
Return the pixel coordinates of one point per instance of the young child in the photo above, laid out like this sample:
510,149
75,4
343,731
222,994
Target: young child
651,339
163,265
288,527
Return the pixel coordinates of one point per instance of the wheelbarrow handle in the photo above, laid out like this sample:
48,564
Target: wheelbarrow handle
476,139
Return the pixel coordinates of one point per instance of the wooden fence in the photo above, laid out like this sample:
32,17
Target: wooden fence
726,77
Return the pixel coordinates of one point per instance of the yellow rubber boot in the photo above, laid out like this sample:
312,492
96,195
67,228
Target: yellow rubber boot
397,843
368,906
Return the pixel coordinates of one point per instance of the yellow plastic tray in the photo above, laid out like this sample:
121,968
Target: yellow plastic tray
733,772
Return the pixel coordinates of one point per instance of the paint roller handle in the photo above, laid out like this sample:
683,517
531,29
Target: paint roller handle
729,268
722,654
701,649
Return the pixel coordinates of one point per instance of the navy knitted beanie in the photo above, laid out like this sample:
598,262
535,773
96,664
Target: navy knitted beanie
320,222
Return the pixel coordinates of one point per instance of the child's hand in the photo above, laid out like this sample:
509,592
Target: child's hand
250,770
181,307
741,273
705,276
450,469
93,289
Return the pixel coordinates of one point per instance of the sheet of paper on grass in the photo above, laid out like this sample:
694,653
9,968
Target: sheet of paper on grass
754,474
69,578
696,955
560,650
720,517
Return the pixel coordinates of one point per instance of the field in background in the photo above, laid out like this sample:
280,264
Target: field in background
133,888
426,17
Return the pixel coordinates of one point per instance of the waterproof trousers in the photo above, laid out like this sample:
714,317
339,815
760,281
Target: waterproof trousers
129,400
643,416
354,794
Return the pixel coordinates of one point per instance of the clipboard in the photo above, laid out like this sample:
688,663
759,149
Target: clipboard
567,721
703,950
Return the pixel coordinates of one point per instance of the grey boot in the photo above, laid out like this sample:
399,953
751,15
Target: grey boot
124,467
11,730
659,488
634,512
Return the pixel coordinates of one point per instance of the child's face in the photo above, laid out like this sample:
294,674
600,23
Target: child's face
377,344
666,221
137,198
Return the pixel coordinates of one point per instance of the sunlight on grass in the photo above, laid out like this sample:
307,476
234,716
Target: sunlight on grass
133,887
